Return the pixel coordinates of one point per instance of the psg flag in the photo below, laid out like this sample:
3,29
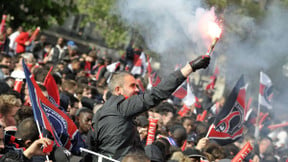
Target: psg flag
228,124
265,91
51,118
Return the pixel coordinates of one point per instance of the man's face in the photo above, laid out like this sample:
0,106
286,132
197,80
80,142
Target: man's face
60,41
6,61
87,93
9,117
166,118
72,109
85,122
76,66
188,125
263,145
129,87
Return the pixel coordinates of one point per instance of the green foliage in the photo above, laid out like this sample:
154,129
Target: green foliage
31,13
107,24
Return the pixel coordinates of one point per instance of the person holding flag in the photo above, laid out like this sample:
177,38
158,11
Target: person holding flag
49,117
114,133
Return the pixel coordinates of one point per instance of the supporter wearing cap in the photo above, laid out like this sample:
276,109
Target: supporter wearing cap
193,154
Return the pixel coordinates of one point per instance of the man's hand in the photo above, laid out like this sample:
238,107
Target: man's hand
200,62
35,148
202,143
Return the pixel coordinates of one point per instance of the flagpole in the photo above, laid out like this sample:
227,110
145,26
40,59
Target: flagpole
41,136
257,118
212,126
97,154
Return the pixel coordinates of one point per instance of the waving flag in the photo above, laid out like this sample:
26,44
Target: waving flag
265,91
188,100
48,116
113,66
140,66
181,91
40,115
52,88
228,124
153,77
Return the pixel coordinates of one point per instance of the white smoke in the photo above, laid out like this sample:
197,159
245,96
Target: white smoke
170,28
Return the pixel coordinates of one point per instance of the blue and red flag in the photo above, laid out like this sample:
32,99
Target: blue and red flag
228,124
49,117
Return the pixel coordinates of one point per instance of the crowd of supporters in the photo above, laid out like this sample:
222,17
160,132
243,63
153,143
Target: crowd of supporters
82,80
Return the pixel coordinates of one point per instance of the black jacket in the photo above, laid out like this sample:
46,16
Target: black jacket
114,132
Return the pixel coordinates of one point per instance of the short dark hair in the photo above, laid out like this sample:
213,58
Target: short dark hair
165,107
40,74
27,130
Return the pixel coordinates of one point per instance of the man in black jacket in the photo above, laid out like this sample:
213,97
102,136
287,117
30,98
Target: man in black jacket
114,133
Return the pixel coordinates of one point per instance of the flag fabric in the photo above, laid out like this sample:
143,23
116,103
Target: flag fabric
113,66
140,66
39,113
181,91
52,88
34,34
137,69
49,117
189,99
153,80
211,85
228,124
265,91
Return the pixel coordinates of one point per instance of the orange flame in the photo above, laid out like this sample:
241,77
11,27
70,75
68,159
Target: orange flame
214,30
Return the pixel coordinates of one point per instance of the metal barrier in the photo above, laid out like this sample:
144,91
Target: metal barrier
100,156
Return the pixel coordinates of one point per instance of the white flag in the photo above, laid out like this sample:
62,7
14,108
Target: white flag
265,91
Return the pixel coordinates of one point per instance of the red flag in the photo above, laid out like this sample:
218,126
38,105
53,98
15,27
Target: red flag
34,34
18,85
243,153
52,88
137,70
202,117
265,91
181,91
2,25
139,67
228,124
